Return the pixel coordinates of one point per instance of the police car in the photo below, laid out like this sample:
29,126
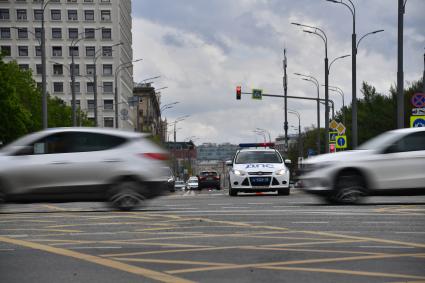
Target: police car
258,167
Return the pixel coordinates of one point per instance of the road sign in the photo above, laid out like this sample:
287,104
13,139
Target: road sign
333,124
340,128
417,121
418,100
310,152
418,111
331,147
332,137
257,94
341,142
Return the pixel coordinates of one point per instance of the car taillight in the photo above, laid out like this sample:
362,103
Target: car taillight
156,156
216,177
201,178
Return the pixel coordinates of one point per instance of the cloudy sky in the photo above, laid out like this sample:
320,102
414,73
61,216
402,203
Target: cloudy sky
203,49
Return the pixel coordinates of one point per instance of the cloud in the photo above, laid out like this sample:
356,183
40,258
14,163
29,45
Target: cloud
204,49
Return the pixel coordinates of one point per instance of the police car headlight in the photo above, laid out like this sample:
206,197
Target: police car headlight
280,172
239,172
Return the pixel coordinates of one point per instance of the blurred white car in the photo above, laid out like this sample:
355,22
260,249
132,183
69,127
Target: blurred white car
390,164
179,185
192,183
83,164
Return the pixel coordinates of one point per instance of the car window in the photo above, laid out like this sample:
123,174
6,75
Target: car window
209,173
411,142
68,142
258,157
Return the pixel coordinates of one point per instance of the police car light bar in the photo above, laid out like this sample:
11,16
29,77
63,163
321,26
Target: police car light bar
263,144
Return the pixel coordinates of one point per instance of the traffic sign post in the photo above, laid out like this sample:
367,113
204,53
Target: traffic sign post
332,137
341,142
418,100
257,94
417,121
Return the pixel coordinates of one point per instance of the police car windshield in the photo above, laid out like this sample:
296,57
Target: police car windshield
258,157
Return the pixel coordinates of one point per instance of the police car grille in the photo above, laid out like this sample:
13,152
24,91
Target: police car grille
259,173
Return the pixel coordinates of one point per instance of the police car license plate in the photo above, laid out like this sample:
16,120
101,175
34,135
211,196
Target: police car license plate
260,181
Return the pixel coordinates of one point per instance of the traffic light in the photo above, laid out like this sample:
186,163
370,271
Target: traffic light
238,92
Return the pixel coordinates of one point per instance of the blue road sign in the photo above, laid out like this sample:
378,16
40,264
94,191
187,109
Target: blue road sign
341,142
417,121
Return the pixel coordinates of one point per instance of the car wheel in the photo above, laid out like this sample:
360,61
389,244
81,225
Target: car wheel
349,189
233,192
126,196
283,192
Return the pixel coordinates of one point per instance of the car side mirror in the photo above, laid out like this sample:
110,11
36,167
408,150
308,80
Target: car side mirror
288,161
229,163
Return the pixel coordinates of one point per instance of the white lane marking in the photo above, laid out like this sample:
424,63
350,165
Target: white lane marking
235,207
7,250
15,236
220,204
259,203
379,222
410,232
386,247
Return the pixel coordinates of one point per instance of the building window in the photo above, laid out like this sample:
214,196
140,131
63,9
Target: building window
76,87
90,51
88,1
89,33
90,87
5,50
90,104
107,51
73,51
5,32
21,14
4,14
90,69
38,69
73,33
107,87
57,51
105,1
58,87
38,15
108,122
107,69
89,15
24,67
106,33
71,1
22,33
72,15
108,104
56,33
38,51
77,104
76,69
57,69
37,33
55,15
23,51
105,15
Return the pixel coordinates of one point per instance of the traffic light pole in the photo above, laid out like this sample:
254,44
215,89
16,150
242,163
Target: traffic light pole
295,97
285,88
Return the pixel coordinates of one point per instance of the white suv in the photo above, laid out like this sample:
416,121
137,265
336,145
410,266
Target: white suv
83,164
390,164
258,169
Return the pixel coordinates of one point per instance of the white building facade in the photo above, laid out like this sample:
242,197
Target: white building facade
97,32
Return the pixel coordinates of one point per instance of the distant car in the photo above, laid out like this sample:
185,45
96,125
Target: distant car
390,164
209,179
258,168
179,185
192,183
83,164
168,173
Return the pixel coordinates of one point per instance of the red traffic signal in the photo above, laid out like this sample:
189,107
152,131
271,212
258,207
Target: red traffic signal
238,92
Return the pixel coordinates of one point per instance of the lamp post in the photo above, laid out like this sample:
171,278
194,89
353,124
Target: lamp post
300,149
316,82
121,66
337,58
320,33
354,47
400,74
340,92
260,133
265,131
179,119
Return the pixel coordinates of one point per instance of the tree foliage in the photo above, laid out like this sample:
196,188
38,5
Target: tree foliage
20,105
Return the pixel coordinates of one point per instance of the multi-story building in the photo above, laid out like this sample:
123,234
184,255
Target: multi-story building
212,151
97,33
149,113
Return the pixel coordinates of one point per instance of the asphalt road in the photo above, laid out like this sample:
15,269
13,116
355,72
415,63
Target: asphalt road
211,237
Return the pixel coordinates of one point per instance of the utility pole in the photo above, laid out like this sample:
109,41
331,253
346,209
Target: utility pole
43,66
423,78
400,74
285,88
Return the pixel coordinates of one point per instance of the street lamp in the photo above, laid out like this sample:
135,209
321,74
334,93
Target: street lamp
264,131
340,92
300,150
72,48
320,33
354,46
168,106
340,57
260,133
175,123
121,66
316,82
